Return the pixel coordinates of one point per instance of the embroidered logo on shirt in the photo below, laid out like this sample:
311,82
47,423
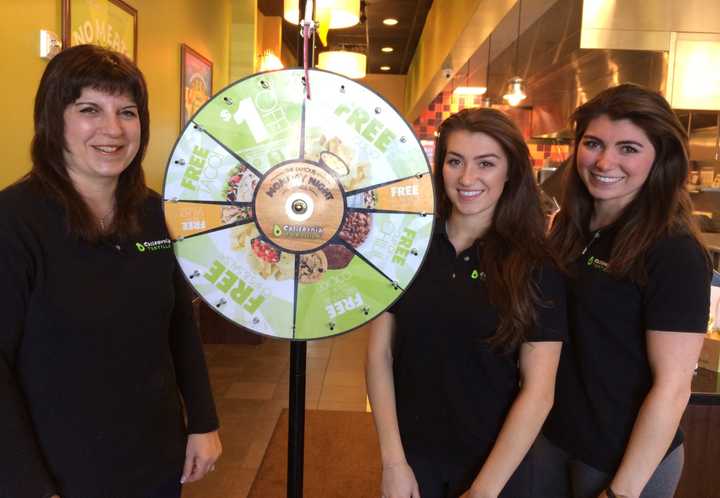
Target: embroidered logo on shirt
598,264
154,245
475,275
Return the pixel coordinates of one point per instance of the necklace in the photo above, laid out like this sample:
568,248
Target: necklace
595,236
104,218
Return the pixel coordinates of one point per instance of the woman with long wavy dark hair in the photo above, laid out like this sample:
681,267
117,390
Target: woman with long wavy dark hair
461,370
637,298
103,381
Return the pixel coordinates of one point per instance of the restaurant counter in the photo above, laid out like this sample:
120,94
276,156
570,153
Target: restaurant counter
712,241
701,426
705,388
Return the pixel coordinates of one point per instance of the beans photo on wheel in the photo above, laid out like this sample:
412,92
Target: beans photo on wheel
356,228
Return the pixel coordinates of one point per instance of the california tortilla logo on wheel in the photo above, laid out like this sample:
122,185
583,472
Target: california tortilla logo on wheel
299,206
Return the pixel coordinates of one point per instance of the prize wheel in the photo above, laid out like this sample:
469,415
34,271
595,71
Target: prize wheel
295,218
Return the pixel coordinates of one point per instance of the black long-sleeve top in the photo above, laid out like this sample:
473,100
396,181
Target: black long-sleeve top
98,352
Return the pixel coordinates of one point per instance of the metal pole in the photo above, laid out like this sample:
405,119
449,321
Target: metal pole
298,367
296,419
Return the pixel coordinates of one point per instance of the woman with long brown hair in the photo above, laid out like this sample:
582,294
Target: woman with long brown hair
461,370
103,382
638,299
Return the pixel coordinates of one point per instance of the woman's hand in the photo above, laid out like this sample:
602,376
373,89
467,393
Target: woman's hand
476,493
398,481
201,453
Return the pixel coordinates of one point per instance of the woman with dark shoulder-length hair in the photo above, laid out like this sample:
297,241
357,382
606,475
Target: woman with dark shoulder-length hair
461,370
98,349
637,299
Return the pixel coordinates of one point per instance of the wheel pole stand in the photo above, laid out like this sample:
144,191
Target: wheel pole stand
298,349
296,421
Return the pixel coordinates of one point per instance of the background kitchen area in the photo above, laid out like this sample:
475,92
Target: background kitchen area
429,59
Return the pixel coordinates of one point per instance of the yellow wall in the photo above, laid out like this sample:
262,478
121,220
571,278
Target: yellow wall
245,38
162,26
453,30
389,86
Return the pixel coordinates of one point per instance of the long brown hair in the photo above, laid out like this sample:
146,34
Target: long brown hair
513,249
661,207
65,77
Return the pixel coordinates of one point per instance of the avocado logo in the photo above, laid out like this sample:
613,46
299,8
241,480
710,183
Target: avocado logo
277,231
591,260
140,247
474,275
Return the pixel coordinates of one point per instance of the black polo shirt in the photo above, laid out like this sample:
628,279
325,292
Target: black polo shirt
453,390
97,348
604,374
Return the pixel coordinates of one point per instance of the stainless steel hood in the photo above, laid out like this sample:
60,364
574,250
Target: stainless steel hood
576,49
561,74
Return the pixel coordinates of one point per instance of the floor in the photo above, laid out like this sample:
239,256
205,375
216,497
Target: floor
250,384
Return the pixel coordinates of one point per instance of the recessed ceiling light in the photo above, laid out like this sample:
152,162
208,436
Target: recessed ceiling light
390,21
385,68
387,50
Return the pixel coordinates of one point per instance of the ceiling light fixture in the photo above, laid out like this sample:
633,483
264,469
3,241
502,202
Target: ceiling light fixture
351,63
516,86
342,13
269,61
390,21
385,68
387,50
345,62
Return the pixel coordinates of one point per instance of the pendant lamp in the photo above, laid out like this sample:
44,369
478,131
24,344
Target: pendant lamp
516,86
468,90
269,61
350,64
342,13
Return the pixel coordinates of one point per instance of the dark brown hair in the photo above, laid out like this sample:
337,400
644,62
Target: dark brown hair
65,77
661,207
513,249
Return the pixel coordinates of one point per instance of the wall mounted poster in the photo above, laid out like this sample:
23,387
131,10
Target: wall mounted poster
195,82
296,218
109,23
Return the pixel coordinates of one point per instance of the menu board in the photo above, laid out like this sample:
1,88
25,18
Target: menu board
299,218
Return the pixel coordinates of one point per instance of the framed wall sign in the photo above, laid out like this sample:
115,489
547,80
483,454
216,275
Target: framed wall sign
195,82
108,23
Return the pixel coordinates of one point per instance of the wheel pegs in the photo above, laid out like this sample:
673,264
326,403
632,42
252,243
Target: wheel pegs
180,162
403,139
366,310
264,84
194,274
342,88
414,251
228,100
395,285
255,320
221,302
419,176
331,326
378,110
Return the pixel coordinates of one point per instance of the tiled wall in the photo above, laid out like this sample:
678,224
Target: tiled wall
446,104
